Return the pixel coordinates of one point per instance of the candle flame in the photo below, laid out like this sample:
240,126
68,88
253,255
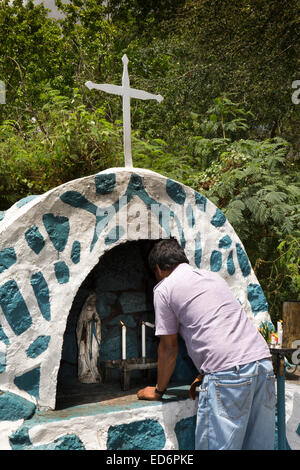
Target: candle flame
123,324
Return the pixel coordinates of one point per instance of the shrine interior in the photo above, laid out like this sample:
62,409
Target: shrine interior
123,284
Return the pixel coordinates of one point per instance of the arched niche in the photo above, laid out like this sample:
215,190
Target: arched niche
51,243
122,283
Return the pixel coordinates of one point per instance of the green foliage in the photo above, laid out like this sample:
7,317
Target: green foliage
225,117
247,49
289,262
30,54
257,180
220,124
257,186
66,142
282,274
227,126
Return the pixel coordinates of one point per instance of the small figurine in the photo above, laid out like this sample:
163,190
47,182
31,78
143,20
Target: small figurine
88,333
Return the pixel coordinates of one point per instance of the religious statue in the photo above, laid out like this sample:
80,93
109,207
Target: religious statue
88,333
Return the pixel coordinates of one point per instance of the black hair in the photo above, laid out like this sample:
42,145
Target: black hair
167,254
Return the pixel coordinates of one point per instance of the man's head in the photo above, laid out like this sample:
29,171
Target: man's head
165,256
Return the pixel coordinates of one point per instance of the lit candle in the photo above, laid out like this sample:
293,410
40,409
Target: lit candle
123,341
143,339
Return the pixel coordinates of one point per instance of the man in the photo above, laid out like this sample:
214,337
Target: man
236,407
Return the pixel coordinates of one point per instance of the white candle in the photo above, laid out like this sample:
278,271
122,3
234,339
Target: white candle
279,333
143,339
123,341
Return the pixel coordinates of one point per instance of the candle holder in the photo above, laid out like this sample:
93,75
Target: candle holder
126,366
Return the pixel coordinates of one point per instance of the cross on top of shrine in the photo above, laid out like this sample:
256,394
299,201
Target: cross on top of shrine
126,92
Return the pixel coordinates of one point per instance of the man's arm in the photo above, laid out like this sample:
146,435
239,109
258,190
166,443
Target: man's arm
167,354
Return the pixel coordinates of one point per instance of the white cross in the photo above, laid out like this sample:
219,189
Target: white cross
126,92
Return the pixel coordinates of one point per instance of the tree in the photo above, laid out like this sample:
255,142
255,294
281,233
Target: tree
247,50
30,55
258,189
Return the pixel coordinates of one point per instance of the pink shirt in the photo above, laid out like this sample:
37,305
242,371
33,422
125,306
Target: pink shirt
199,305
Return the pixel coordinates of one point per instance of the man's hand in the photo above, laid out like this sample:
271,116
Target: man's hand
167,354
148,393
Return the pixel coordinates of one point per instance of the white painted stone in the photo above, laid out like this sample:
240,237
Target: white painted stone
18,220
93,430
82,225
6,429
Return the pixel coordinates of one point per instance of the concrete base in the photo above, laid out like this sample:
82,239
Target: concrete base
116,421
93,417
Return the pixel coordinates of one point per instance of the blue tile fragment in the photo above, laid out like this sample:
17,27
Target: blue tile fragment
75,253
218,219
62,272
58,229
76,199
198,250
3,336
185,433
175,191
230,264
35,239
215,261
14,307
257,298
147,434
39,345
29,382
42,294
200,201
225,242
20,439
14,407
67,442
105,183
8,257
243,260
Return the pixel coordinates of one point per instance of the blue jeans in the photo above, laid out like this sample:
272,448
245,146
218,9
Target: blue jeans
236,408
